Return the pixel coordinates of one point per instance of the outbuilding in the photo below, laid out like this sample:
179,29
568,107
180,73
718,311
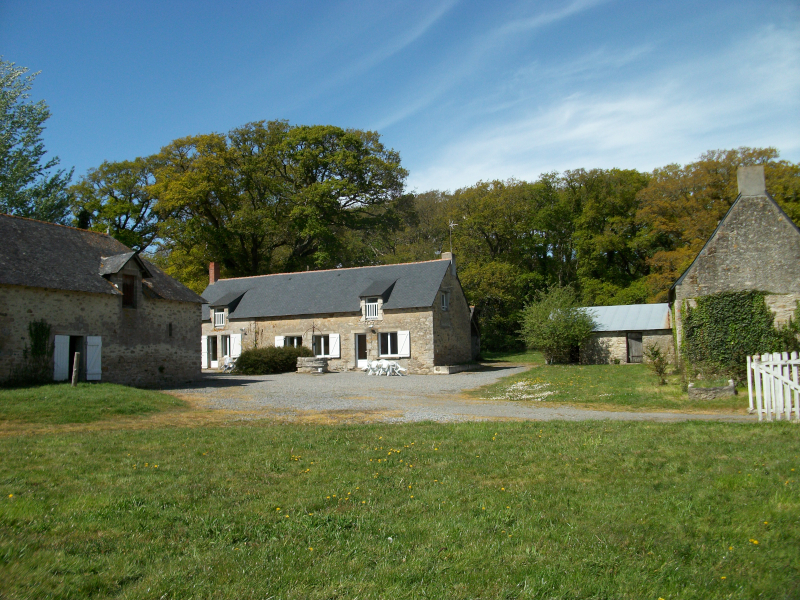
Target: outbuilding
622,333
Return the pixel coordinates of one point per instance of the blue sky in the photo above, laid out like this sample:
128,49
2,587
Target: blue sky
464,91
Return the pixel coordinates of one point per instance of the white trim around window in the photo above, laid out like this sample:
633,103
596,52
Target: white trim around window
394,344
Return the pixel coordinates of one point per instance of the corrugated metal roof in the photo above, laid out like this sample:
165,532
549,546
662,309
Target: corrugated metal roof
631,317
332,291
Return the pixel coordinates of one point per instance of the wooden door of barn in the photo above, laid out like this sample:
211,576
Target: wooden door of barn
634,347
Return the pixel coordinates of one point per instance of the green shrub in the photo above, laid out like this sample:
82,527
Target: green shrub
269,360
37,358
555,324
658,362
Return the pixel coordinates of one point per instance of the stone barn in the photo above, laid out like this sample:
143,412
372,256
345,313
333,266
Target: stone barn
624,332
413,313
756,246
131,322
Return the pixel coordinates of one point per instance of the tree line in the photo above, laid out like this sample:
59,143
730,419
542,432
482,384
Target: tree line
271,197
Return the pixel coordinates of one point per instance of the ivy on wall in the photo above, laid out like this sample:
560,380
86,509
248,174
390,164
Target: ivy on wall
723,329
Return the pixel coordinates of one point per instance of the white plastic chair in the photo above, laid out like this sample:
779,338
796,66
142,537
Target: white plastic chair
228,364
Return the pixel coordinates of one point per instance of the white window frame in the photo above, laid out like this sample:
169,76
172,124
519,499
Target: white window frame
219,318
371,309
330,350
445,301
402,347
292,341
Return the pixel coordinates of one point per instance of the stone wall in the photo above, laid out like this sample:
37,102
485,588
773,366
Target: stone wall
138,345
451,327
418,322
756,247
607,346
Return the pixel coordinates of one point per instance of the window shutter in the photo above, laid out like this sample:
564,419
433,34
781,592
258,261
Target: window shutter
236,345
94,347
279,341
404,344
61,358
334,345
204,343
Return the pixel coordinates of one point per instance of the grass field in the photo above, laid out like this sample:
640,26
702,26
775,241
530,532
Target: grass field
85,403
481,510
614,387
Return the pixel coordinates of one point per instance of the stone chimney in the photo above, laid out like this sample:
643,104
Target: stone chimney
449,256
213,273
751,181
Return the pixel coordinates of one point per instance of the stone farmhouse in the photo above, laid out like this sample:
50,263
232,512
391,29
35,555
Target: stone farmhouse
623,332
131,322
414,313
756,246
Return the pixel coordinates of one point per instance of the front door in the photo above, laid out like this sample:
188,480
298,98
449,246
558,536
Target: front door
634,347
361,350
213,358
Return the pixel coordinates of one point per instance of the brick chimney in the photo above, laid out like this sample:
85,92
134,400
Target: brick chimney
449,256
751,181
213,272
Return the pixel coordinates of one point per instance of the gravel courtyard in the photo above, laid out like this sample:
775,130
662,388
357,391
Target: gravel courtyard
353,396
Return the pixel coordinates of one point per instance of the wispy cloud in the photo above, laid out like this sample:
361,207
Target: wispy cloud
748,94
477,54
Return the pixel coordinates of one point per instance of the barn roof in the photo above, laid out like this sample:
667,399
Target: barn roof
409,285
631,317
46,255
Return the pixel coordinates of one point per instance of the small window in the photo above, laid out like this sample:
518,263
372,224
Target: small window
219,318
226,345
445,300
322,345
169,329
128,291
293,341
371,308
388,345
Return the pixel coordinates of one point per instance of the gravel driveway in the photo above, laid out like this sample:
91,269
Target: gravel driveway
355,396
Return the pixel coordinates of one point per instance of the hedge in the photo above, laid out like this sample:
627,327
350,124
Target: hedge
269,360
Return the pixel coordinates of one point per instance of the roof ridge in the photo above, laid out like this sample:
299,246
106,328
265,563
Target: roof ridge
418,262
58,225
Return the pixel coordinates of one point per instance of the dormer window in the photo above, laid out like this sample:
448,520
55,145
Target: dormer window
219,318
128,291
371,308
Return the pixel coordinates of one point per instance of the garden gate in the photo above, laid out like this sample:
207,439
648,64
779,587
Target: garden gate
773,382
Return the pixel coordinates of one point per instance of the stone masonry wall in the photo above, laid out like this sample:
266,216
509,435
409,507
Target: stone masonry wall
755,248
451,328
137,348
604,347
418,322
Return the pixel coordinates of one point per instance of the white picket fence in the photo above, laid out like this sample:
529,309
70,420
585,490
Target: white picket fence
774,386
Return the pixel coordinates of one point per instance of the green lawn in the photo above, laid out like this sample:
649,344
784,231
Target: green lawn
525,356
624,387
479,510
87,402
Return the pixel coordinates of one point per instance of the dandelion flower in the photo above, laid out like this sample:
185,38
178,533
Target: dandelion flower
723,577
754,542
310,549
730,547
11,495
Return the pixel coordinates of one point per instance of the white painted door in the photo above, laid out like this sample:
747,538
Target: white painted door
61,358
94,350
204,345
361,350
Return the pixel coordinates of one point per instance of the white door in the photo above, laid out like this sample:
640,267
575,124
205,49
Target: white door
361,350
204,344
61,358
94,347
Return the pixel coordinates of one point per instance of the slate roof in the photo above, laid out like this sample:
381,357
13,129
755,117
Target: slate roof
631,317
38,254
331,291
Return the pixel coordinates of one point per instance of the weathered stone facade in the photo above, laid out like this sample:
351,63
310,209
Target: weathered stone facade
609,347
154,344
755,247
437,336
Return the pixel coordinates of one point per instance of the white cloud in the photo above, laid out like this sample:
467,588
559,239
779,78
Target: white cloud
746,95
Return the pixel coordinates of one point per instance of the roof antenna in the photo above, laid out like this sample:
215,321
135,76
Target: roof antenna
451,225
